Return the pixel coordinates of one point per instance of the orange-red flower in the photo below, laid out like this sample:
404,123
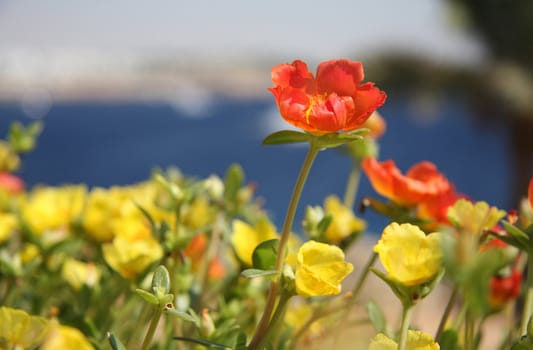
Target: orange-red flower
530,193
10,183
504,288
196,251
436,209
335,100
421,183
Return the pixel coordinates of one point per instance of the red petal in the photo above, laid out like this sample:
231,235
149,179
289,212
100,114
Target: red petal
293,104
295,75
340,76
530,193
367,99
380,175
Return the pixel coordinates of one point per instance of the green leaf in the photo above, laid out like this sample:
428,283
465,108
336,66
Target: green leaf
265,254
161,281
148,217
252,273
233,182
22,139
449,340
114,342
147,296
336,139
323,225
205,343
515,232
182,315
377,317
285,137
240,342
511,240
394,286
476,281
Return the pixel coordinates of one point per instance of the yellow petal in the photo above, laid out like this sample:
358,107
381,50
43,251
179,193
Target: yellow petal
408,255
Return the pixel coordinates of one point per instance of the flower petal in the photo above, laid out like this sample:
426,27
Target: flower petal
366,100
295,75
339,76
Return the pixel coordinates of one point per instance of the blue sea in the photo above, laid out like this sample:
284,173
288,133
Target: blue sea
104,144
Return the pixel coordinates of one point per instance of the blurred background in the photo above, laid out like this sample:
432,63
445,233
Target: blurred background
126,86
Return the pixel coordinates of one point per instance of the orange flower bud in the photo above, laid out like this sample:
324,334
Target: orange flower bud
376,124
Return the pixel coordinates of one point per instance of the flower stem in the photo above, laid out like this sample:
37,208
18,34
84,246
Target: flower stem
404,328
446,314
362,279
210,254
276,318
264,322
528,304
469,330
352,185
151,330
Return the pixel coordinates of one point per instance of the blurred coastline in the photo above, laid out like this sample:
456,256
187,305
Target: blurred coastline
86,75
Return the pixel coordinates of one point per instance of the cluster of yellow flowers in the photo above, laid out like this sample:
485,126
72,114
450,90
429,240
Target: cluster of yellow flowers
204,254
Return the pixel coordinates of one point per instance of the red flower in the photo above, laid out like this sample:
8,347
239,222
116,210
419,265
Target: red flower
504,288
10,183
333,101
530,193
421,183
436,209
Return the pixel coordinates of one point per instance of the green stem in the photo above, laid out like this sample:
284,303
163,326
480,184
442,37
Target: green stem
345,306
362,279
469,331
352,185
404,328
446,314
210,254
262,326
276,318
151,330
528,304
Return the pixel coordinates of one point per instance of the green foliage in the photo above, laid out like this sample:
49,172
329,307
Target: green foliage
23,139
264,255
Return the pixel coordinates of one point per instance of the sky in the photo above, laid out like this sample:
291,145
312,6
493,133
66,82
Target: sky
288,29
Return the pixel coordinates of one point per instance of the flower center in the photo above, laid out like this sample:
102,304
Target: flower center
314,100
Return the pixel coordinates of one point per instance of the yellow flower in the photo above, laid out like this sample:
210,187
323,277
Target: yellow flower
20,330
130,257
320,270
474,218
108,209
416,340
66,338
298,314
78,273
198,214
53,208
8,224
344,222
102,206
29,252
245,237
409,256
